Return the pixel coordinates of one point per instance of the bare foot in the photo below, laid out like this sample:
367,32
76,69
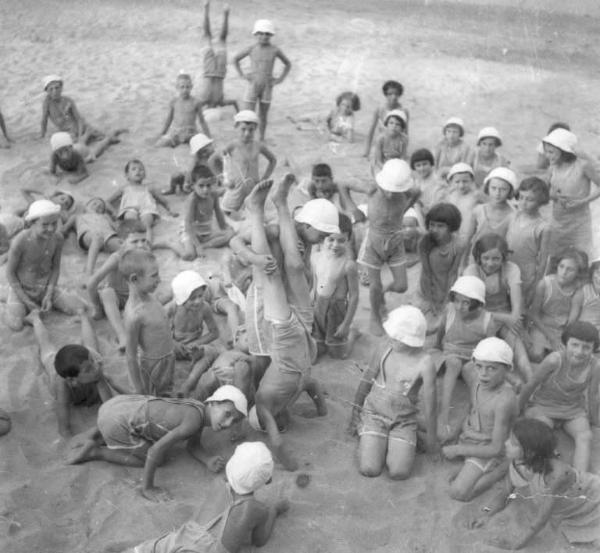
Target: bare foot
319,401
34,315
375,327
258,196
281,190
82,454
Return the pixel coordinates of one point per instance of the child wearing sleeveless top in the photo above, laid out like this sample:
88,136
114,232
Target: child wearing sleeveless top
245,522
552,302
464,324
558,390
388,391
586,301
485,158
494,407
452,149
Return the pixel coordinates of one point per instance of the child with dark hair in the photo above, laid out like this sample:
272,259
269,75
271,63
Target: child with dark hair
542,161
392,90
564,390
566,497
485,158
393,142
340,121
586,301
433,189
551,306
441,252
452,149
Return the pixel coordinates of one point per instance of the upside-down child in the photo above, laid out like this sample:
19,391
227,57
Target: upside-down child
564,390
494,407
245,522
290,316
387,396
139,431
182,115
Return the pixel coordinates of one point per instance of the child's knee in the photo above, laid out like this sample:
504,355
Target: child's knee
583,436
369,469
14,321
400,473
459,493
398,287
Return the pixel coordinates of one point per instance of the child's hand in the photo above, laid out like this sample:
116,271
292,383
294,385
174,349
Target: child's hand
267,263
215,464
450,451
342,331
155,494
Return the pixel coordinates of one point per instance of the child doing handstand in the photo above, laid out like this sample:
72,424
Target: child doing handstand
139,431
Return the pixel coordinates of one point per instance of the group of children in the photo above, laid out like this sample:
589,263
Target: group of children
509,299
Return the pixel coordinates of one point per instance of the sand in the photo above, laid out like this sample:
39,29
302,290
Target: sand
517,70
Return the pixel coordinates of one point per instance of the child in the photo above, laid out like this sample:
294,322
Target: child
335,288
392,90
260,77
586,301
215,63
202,203
494,408
452,149
242,156
440,251
389,390
462,194
34,267
551,305
246,521
412,234
528,234
138,202
485,158
139,431
182,115
7,139
564,390
76,371
433,190
393,142
340,122
567,498
147,326
11,224
290,315
384,242
201,148
464,324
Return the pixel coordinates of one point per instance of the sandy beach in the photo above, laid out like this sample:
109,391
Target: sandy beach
514,69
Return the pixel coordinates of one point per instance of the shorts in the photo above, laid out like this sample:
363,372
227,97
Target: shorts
157,374
179,136
258,92
484,465
215,62
105,239
404,430
558,414
379,249
122,296
212,94
115,419
16,309
327,318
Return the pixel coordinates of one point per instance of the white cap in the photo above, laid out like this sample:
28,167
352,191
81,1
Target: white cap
320,214
460,168
489,132
395,176
503,173
250,467
562,139
495,350
41,208
184,284
406,324
471,287
253,419
199,141
51,79
455,121
60,140
263,26
233,394
245,116
395,113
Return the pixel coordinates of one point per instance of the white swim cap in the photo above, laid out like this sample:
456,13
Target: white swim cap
199,141
502,173
41,208
184,284
233,394
51,79
60,140
470,287
395,176
406,324
263,26
245,116
562,139
494,350
401,114
489,132
320,214
250,467
455,121
460,168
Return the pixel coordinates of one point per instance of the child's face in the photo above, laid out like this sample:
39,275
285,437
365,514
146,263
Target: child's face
205,153
392,95
263,38
202,187
247,131
96,205
512,448
394,126
345,107
45,227
148,281
65,153
490,373
89,373
440,232
63,200
54,90
137,241
324,187
136,173
491,261
498,190
240,340
423,169
311,234
528,201
462,304
463,182
223,414
578,351
452,134
336,244
566,271
552,153
196,299
184,88
487,147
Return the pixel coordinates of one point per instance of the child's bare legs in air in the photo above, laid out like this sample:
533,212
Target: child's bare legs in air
399,284
95,243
